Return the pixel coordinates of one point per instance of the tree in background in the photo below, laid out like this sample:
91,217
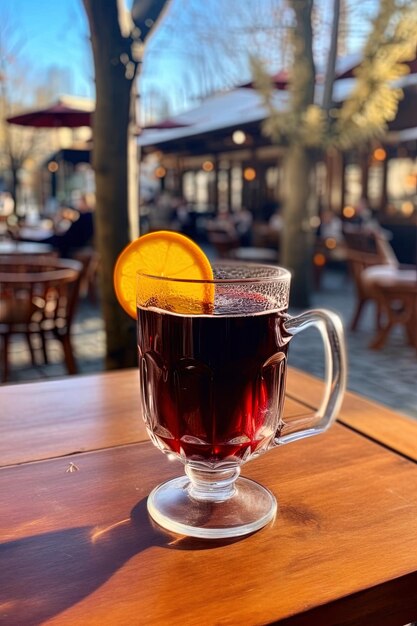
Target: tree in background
23,148
311,125
117,38
202,48
17,145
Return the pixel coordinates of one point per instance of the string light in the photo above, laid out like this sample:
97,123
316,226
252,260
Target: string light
348,212
249,174
319,259
53,166
239,137
330,243
379,154
160,172
208,166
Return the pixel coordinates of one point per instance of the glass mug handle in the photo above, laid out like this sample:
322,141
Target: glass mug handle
330,327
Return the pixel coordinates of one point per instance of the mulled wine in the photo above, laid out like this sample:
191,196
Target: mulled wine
212,386
212,358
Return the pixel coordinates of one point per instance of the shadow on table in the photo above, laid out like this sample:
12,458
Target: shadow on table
43,575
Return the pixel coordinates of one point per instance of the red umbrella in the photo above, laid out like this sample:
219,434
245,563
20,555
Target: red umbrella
280,81
57,115
165,124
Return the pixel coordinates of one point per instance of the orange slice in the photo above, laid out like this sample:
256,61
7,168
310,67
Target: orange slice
164,254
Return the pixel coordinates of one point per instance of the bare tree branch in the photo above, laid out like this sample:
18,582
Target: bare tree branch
331,59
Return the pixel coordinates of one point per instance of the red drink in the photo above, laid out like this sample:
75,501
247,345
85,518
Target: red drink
213,386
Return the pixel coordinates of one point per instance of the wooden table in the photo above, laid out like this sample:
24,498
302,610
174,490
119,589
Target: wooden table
10,248
38,232
397,303
254,254
78,546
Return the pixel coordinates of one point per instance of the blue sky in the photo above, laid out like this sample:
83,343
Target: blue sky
55,33
51,33
185,56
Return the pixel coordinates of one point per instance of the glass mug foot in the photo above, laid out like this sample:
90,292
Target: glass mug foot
172,506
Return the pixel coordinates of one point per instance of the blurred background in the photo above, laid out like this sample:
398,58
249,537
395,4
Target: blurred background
268,131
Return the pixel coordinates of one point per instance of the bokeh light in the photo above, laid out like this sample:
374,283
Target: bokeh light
208,166
249,174
239,137
160,172
53,166
348,212
330,243
379,154
319,259
407,208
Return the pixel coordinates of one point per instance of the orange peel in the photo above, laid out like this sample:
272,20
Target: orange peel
164,255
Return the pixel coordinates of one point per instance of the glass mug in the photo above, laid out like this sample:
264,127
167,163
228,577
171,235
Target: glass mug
213,387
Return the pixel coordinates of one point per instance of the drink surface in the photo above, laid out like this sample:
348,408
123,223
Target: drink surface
212,386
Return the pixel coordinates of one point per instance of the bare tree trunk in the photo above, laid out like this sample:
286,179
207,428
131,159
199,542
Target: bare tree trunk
301,202
331,58
115,64
14,183
111,52
133,170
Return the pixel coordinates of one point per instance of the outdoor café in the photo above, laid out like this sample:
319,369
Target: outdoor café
208,314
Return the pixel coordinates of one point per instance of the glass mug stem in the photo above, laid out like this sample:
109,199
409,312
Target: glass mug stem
212,485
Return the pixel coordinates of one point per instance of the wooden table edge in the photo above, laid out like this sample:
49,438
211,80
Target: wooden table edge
390,428
345,609
393,430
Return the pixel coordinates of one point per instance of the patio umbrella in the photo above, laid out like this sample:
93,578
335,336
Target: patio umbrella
67,112
166,124
58,115
280,81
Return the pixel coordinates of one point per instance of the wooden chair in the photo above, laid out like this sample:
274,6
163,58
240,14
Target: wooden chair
379,277
395,292
90,260
38,297
222,237
366,249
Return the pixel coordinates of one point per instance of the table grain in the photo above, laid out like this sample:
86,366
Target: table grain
75,414
78,547
386,426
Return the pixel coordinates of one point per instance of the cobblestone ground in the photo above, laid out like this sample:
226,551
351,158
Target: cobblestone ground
388,376
88,341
